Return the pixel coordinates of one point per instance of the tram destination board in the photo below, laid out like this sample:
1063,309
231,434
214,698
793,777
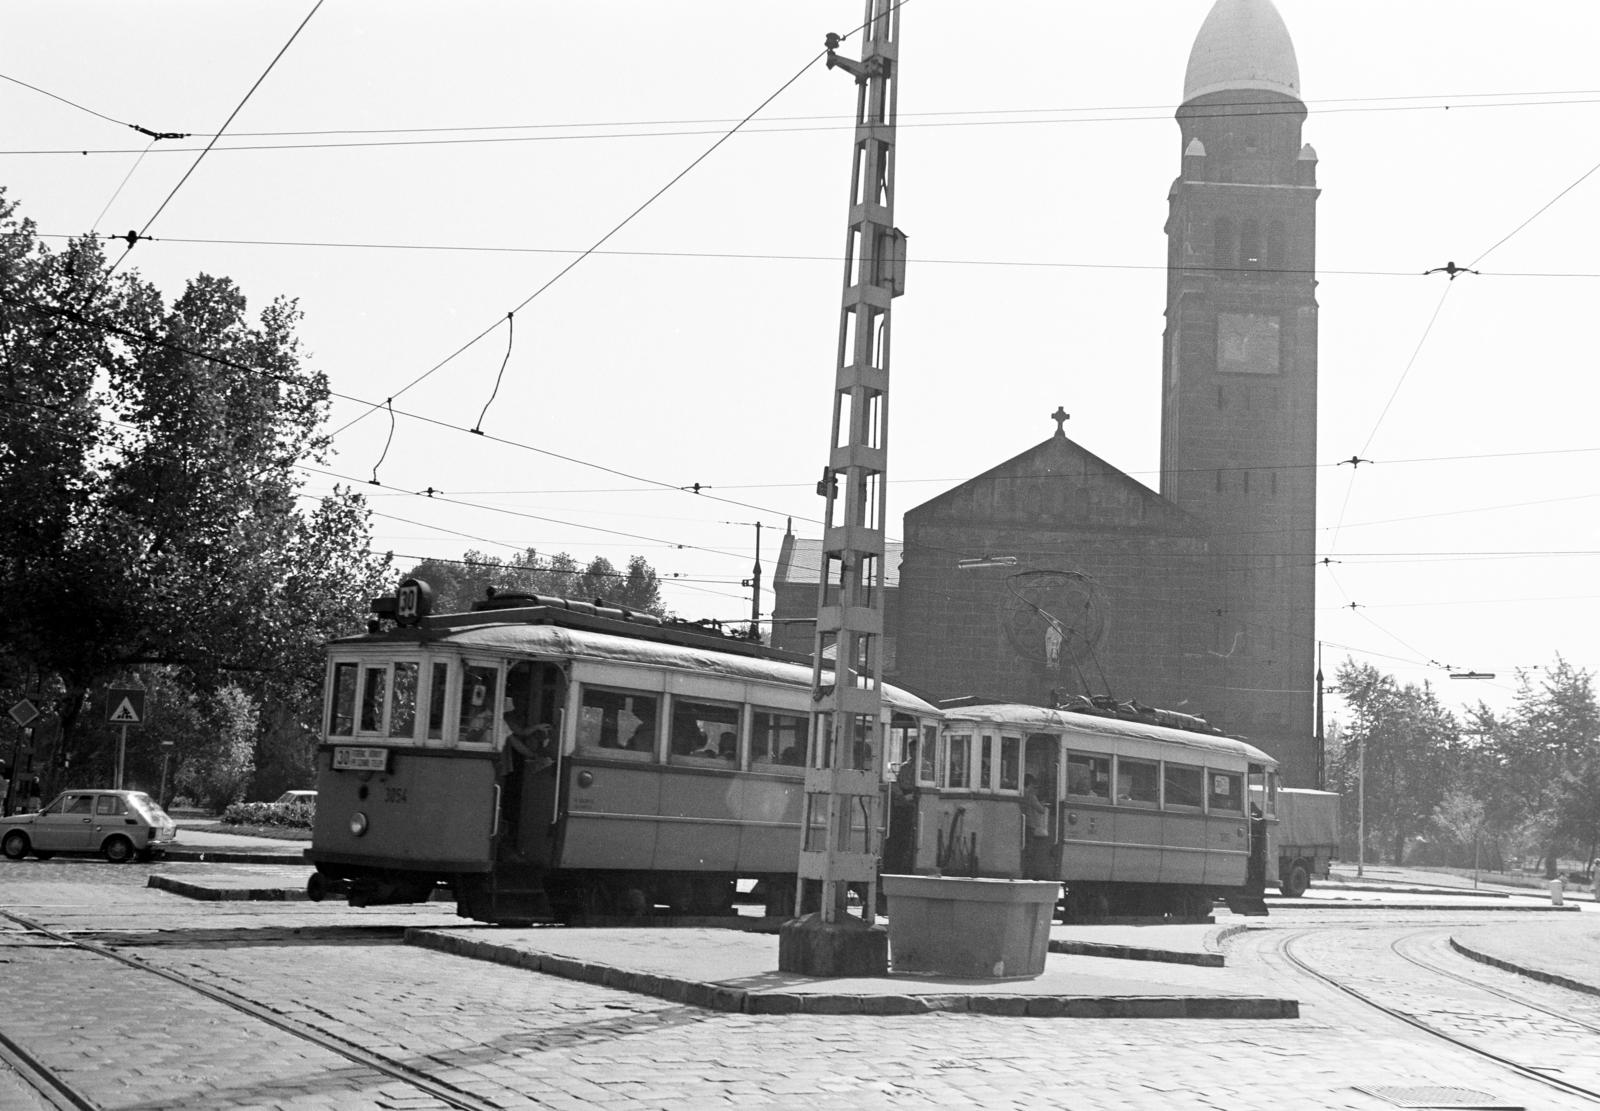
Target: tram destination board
361,759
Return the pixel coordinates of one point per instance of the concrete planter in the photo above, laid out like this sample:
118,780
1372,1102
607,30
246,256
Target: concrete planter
988,929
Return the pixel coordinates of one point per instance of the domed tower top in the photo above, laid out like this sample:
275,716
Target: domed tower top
1243,44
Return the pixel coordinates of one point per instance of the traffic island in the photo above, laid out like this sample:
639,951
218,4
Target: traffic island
728,971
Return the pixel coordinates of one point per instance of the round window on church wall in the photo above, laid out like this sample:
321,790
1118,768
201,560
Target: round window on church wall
1054,618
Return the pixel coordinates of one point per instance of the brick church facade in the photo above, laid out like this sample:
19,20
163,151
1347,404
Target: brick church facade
1054,572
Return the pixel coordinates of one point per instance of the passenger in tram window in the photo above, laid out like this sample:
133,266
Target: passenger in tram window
728,747
687,737
795,755
708,748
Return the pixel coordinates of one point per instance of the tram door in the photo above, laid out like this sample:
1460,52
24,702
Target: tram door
1041,762
1256,869
530,784
900,841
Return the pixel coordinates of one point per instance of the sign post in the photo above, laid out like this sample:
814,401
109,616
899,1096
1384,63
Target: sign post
124,707
23,713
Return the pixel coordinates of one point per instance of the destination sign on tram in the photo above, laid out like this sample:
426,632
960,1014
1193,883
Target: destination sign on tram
360,759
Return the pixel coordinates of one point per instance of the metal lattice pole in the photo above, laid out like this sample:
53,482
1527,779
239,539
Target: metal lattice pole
843,802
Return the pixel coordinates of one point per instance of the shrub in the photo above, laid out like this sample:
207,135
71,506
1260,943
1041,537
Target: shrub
288,815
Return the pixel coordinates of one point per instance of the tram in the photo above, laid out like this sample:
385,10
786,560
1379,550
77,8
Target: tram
546,758
1138,812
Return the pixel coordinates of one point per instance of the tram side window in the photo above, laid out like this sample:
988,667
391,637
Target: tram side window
777,738
403,713
1138,782
621,722
437,689
343,718
958,763
372,695
1010,763
928,756
705,732
479,696
1089,776
1183,785
1226,791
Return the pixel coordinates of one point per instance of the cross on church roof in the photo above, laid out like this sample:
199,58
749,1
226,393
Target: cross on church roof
1061,417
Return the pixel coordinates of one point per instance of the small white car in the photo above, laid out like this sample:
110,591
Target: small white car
296,798
119,825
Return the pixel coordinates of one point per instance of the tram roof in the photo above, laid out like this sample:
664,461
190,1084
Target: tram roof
541,639
1044,718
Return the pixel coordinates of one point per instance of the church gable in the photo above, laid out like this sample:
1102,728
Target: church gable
1056,485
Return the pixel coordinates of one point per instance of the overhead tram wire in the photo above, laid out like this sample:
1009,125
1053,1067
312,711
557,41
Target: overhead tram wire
1225,109
1164,108
1540,212
158,341
438,497
134,237
754,256
597,243
647,484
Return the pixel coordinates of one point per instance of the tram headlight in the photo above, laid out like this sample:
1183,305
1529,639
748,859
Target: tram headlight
358,824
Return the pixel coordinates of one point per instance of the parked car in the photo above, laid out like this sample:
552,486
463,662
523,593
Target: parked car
296,798
119,825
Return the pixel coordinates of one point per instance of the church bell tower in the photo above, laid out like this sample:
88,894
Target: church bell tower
1239,369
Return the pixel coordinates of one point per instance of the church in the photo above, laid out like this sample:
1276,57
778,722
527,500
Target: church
1054,573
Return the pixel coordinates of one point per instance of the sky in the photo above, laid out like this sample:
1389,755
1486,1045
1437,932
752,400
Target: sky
414,172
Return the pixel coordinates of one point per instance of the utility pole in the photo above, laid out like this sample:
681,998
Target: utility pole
1322,737
1361,804
842,817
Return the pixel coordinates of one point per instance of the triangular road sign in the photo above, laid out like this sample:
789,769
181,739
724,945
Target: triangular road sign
125,714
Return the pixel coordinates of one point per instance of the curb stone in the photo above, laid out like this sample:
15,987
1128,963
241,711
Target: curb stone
1522,970
717,997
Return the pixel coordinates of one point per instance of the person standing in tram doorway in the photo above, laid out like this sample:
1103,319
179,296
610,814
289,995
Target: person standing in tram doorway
900,846
1036,817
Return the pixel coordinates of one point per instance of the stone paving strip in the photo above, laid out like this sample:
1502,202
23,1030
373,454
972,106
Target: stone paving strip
737,972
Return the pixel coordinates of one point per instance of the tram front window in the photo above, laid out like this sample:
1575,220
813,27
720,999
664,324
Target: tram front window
403,714
343,718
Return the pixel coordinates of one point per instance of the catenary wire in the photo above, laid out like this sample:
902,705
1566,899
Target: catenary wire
133,238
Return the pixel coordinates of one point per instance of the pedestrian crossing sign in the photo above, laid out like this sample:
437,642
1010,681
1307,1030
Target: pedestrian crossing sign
125,705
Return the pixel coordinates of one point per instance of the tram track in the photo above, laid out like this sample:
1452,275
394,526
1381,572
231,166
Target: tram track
1399,948
61,1094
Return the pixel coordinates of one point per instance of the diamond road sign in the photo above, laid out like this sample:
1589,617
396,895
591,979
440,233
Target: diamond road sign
125,705
24,712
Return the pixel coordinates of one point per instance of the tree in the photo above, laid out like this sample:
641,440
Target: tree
459,583
1550,745
151,453
1407,736
219,772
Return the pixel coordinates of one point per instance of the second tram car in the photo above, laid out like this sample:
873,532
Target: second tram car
545,758
1135,818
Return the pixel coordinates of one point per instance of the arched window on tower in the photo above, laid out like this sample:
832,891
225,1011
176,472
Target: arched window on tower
1276,247
1250,245
1222,252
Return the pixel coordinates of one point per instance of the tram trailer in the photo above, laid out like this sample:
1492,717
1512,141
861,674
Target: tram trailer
1136,819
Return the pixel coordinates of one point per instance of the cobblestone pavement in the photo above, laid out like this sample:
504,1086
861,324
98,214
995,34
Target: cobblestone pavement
517,1039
